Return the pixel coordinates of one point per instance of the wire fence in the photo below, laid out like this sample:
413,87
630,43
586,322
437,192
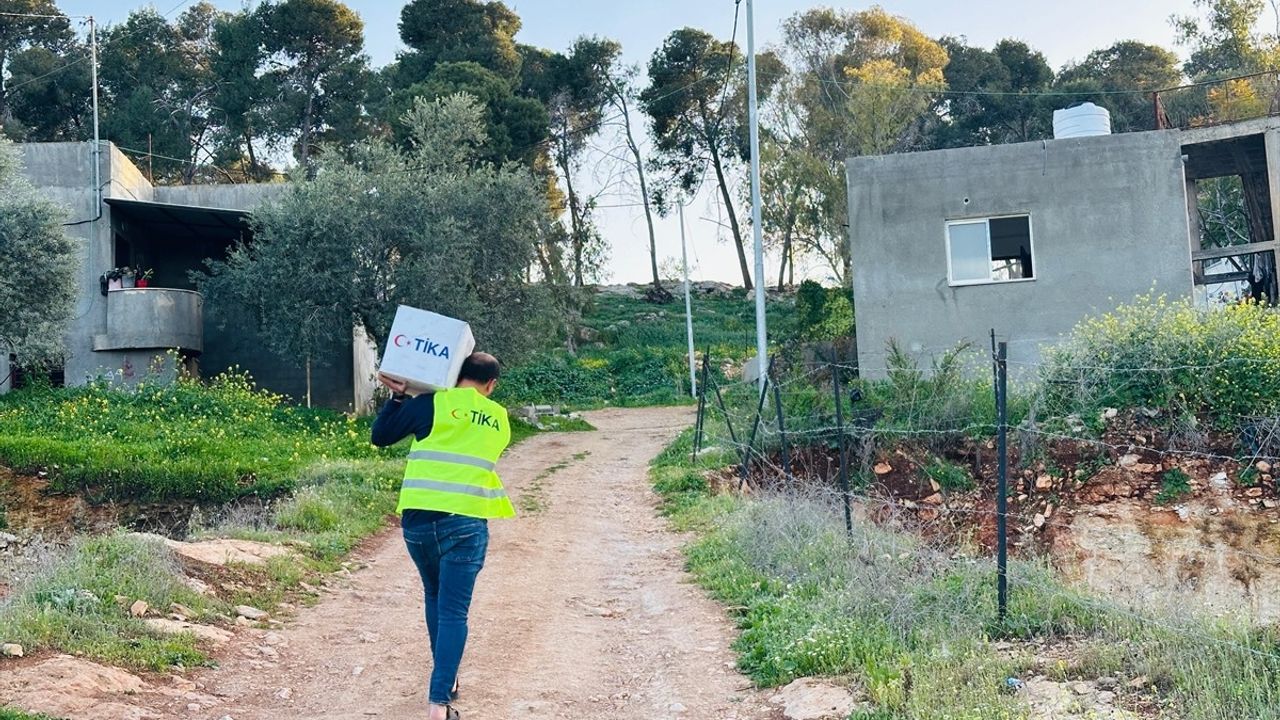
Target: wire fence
985,472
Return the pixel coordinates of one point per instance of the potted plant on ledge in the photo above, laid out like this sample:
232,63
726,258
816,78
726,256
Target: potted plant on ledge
144,278
128,278
114,279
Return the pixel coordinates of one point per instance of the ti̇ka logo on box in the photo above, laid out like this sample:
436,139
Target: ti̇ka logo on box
422,345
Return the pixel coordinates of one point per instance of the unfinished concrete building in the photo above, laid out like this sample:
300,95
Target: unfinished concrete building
1028,239
125,333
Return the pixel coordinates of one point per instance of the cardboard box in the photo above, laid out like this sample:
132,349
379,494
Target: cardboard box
426,349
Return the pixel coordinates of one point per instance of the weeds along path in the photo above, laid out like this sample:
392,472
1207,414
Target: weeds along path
582,610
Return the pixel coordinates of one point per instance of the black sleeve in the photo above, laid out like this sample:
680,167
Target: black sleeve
401,418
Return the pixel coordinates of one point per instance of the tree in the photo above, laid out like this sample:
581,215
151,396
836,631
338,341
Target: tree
695,121
1224,42
19,33
858,83
514,125
994,96
433,226
316,52
51,96
244,94
621,93
469,46
158,86
445,31
574,88
1124,75
38,265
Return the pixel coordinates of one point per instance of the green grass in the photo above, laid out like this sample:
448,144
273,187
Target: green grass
70,605
639,355
914,623
15,714
187,441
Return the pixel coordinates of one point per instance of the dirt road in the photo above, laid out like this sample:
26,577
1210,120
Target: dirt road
582,611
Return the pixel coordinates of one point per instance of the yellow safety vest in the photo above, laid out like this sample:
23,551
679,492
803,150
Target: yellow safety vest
452,469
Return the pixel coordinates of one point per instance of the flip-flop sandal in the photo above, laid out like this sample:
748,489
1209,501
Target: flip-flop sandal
452,714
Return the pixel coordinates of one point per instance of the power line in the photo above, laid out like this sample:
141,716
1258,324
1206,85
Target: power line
77,61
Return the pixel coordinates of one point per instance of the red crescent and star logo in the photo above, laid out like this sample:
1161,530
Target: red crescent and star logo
400,341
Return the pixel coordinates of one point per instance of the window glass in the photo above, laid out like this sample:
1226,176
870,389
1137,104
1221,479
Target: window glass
970,260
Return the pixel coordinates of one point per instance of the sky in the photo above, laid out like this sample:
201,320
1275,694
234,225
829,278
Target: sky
1064,32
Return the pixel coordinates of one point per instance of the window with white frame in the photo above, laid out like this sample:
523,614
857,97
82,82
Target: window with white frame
990,250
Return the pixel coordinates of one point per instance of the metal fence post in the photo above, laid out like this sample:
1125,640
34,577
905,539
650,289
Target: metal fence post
755,426
702,408
1002,481
782,435
844,455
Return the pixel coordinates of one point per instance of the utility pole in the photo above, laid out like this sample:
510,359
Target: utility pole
762,333
688,308
97,143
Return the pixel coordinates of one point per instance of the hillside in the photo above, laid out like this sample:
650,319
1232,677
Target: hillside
632,352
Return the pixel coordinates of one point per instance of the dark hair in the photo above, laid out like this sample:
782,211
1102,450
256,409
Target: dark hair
479,367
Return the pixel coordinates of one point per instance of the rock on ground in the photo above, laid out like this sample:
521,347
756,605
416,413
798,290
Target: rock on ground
1049,700
221,551
208,633
813,699
75,689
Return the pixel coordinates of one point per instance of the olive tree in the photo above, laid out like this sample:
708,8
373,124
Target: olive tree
38,264
433,226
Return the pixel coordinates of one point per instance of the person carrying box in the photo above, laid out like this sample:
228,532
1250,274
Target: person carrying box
450,492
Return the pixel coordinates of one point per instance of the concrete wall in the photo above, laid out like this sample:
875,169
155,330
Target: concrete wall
158,318
246,196
63,172
1108,221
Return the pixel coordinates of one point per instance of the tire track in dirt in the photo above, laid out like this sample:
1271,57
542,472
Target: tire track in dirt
583,611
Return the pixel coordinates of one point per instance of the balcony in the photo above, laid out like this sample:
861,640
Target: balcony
153,318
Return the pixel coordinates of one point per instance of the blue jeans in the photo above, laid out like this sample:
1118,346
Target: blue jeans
449,552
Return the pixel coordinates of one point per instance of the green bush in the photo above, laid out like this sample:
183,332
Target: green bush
1223,363
949,476
1174,486
308,511
823,313
949,400
913,621
183,440
340,504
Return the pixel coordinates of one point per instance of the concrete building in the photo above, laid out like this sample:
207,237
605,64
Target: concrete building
125,334
1030,238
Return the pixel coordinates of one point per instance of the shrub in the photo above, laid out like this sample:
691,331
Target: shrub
823,313
1155,353
945,402
1174,485
308,511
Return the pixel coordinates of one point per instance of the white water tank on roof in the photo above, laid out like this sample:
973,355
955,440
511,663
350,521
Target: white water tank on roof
1083,120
